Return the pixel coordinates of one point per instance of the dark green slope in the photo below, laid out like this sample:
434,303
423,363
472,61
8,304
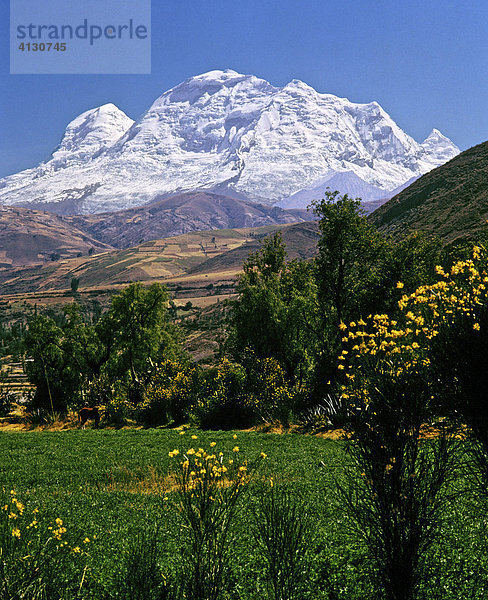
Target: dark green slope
450,201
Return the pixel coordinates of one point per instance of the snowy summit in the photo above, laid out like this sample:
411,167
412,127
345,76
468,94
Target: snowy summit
232,133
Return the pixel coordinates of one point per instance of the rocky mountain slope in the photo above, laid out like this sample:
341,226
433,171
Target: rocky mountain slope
181,213
228,133
32,236
450,201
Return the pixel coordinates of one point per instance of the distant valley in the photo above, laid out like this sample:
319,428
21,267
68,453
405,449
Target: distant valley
32,236
197,262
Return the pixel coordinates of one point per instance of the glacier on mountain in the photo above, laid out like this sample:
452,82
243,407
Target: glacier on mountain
234,133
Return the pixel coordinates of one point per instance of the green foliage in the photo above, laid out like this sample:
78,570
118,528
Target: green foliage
100,391
349,263
282,530
118,410
223,399
7,397
168,395
276,313
357,271
50,369
139,576
411,260
72,357
136,329
398,490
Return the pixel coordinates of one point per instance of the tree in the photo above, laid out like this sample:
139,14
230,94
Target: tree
348,262
75,282
276,313
49,368
358,268
124,343
136,330
65,357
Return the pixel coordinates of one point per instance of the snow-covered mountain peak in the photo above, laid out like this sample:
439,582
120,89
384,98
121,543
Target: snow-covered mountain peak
439,147
297,84
436,135
208,84
91,132
232,132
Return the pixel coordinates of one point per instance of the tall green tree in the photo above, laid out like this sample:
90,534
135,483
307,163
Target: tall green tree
349,258
49,368
276,312
136,330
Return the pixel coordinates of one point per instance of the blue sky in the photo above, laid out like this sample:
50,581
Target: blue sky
425,62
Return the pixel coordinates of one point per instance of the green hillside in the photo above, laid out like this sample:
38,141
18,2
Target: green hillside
450,201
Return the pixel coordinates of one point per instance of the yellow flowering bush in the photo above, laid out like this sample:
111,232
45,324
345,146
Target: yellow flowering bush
168,394
223,399
39,557
390,386
118,411
456,307
208,486
272,395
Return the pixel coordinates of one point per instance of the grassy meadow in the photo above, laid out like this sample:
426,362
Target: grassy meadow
114,487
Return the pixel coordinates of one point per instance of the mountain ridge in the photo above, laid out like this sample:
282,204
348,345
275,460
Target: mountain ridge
32,236
450,201
179,214
228,132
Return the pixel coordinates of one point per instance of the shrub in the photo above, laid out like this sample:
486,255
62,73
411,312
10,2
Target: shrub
118,411
224,402
282,531
168,394
273,396
208,490
7,400
139,577
100,391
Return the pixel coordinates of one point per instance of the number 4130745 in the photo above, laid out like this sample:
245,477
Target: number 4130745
42,46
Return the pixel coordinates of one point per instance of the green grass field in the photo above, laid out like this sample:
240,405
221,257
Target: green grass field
113,484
